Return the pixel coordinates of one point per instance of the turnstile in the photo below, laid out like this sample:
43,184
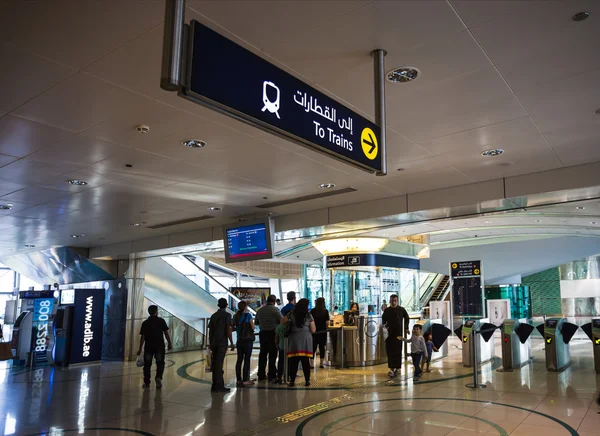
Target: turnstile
516,347
484,344
592,330
557,335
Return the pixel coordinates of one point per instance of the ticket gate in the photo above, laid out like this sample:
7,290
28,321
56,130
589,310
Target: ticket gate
557,335
592,330
516,347
484,344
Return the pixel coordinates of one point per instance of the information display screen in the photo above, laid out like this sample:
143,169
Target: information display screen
252,241
596,323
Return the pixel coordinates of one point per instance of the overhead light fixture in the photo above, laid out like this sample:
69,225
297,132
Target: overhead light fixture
327,185
488,222
492,152
135,225
593,222
77,182
580,16
402,75
580,208
538,221
29,246
193,143
214,209
350,245
400,169
7,206
78,236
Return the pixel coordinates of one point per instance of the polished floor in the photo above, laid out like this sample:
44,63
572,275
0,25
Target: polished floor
108,399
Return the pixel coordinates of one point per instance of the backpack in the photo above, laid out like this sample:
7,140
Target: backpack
244,329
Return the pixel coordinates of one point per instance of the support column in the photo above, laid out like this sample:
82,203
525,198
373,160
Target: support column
135,305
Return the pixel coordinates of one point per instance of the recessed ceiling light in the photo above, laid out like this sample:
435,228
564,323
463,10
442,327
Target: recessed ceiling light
400,169
326,185
29,246
78,236
593,222
128,165
214,209
580,16
135,225
193,143
492,152
7,206
538,221
580,208
77,182
402,75
488,222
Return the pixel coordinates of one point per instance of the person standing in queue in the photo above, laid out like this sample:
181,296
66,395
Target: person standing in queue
300,340
394,318
268,318
291,297
321,316
152,332
244,328
219,331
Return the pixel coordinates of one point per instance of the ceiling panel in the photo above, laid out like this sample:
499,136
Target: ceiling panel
477,12
19,137
37,73
88,29
80,102
32,172
34,195
543,44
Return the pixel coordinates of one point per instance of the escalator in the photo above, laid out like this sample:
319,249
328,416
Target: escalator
182,288
442,290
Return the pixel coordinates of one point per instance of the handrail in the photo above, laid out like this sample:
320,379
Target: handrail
232,297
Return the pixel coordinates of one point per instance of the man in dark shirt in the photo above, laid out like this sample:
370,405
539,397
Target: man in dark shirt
219,331
268,318
152,332
393,319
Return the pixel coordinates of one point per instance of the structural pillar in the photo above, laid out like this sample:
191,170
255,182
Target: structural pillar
135,305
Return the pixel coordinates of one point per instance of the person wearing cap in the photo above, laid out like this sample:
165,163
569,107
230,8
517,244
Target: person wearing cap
267,318
219,331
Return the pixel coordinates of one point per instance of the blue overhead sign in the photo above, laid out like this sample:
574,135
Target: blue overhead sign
229,78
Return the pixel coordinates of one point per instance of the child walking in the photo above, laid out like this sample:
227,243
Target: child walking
418,349
430,349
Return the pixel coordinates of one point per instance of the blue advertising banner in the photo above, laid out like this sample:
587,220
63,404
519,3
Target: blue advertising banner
226,77
42,310
88,323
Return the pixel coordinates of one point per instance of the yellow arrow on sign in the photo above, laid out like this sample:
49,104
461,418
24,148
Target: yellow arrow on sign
368,140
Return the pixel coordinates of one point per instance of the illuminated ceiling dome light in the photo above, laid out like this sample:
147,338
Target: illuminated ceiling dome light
7,206
402,75
193,143
327,186
492,153
350,245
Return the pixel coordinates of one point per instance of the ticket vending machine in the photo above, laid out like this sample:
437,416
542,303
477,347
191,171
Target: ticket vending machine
557,335
484,344
516,346
21,337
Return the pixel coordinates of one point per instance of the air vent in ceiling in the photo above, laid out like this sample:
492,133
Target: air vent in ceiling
176,223
306,198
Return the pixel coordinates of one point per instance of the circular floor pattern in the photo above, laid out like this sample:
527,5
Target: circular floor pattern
335,382
500,430
107,429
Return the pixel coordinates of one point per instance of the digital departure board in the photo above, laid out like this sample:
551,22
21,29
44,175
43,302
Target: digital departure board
251,241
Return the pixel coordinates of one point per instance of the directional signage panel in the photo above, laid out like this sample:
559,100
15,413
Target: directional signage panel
471,268
229,78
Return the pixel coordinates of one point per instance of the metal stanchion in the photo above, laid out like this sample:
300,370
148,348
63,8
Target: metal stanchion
343,349
474,349
285,361
205,338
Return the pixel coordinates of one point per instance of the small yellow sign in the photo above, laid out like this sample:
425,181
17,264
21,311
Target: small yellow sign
549,340
454,265
368,140
476,271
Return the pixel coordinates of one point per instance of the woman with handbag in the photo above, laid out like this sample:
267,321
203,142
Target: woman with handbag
243,324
